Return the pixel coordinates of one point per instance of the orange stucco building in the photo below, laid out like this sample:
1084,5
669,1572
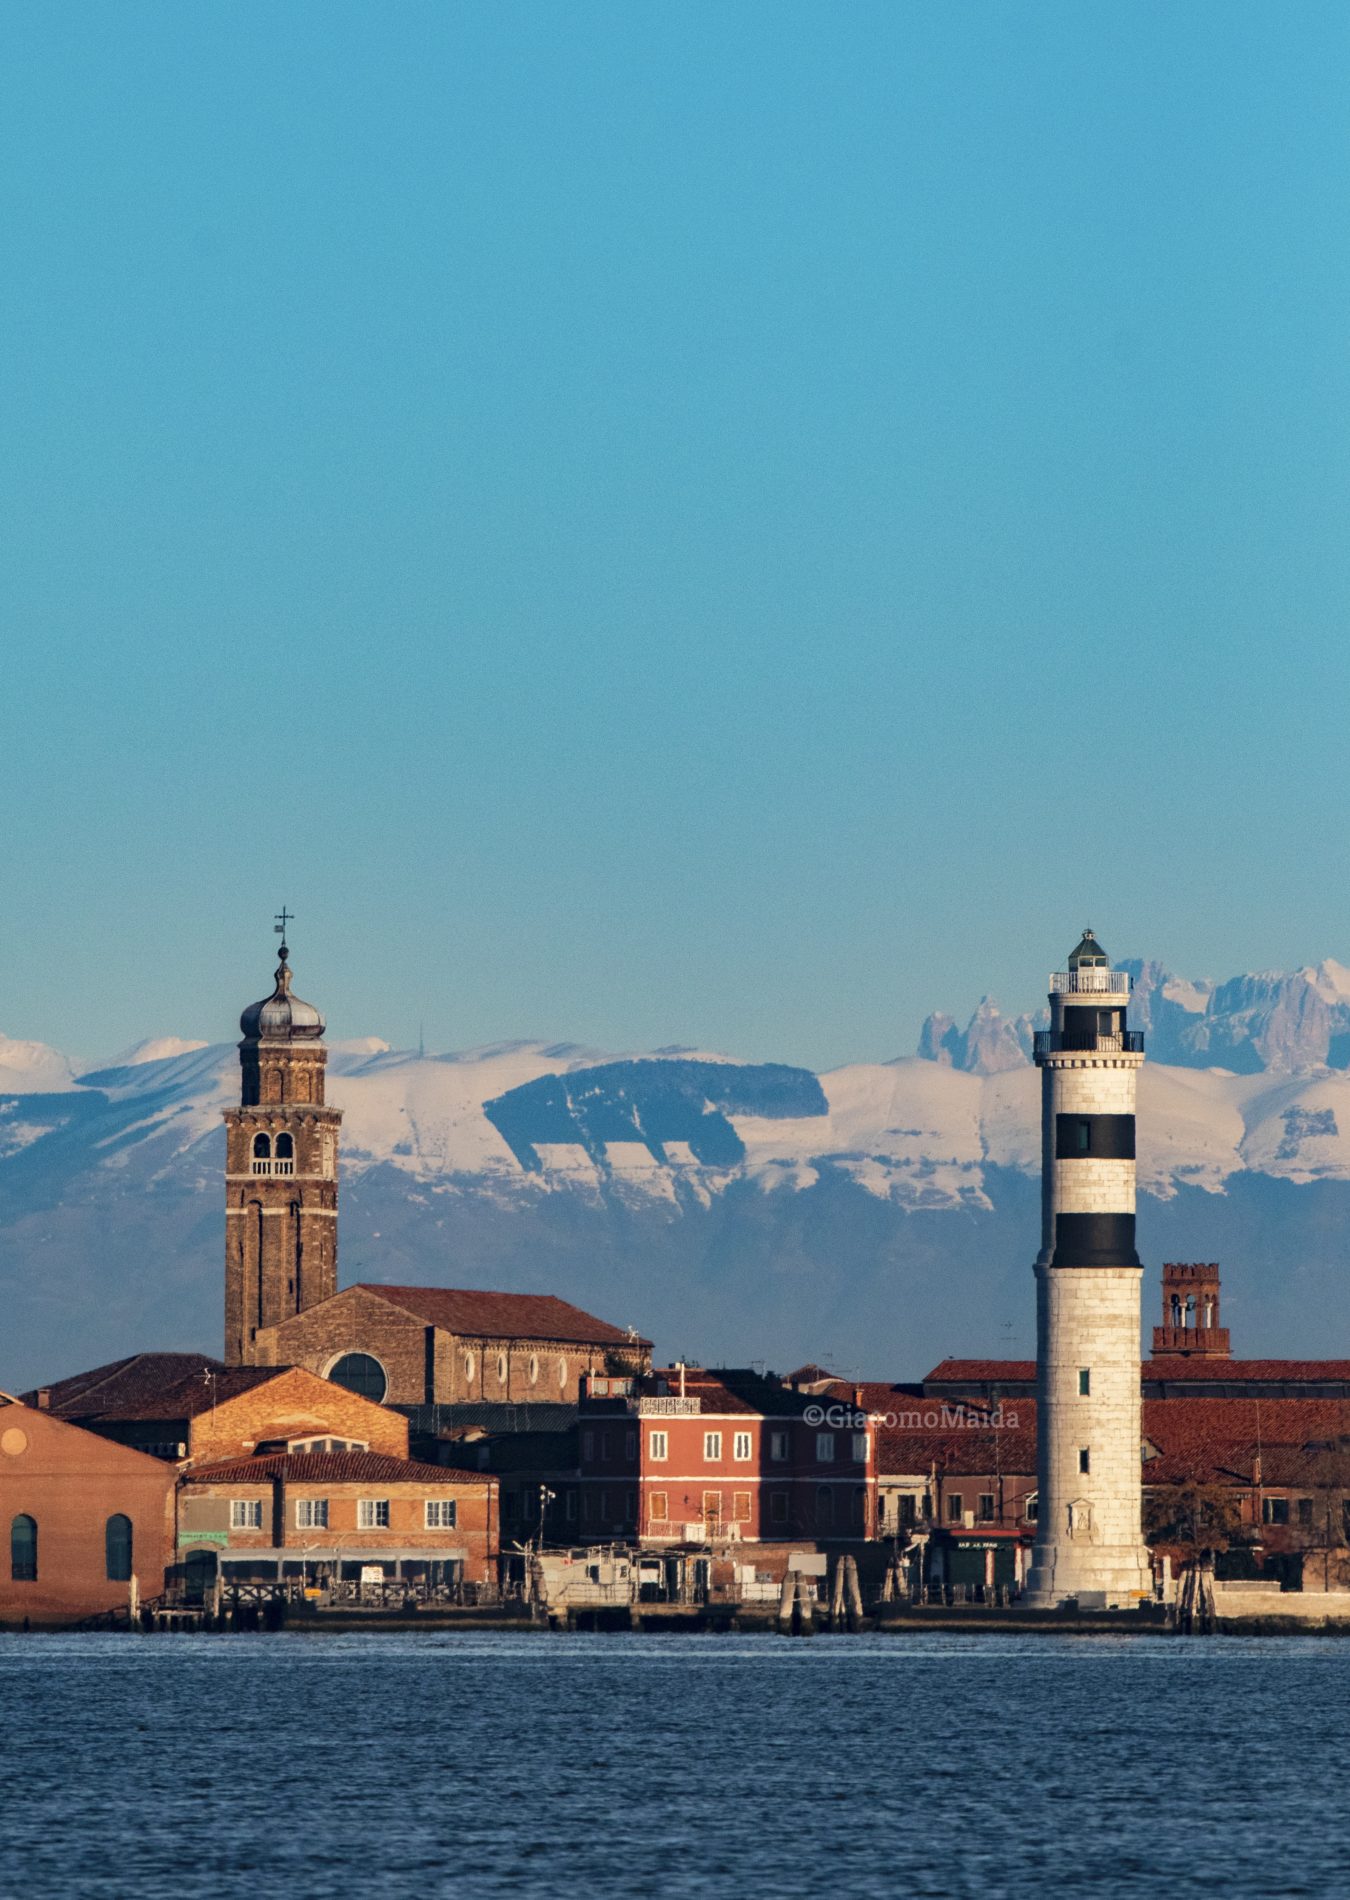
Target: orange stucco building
80,1518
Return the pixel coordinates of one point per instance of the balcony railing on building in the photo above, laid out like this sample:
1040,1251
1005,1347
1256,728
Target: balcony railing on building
1089,983
667,1407
1054,1042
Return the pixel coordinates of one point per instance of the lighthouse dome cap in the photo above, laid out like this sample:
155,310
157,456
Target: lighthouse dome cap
1088,954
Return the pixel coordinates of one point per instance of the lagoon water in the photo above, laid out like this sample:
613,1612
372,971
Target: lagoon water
309,1766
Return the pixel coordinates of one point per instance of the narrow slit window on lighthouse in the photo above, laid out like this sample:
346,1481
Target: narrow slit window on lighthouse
1084,1459
1083,1137
1084,1382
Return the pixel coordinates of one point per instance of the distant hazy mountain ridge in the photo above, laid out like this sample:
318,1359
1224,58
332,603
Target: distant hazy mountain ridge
1284,1023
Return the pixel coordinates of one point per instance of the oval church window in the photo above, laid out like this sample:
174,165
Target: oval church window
360,1373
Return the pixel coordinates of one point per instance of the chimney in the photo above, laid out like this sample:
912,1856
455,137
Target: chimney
44,1398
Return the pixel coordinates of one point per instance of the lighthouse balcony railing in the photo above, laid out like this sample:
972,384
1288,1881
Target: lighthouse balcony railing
1089,983
1053,1042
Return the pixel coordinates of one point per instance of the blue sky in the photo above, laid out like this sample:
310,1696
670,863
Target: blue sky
728,524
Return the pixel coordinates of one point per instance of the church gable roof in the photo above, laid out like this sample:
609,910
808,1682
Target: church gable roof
487,1315
132,1381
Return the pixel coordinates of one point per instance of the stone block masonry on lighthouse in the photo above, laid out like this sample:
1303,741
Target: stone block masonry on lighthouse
1089,1537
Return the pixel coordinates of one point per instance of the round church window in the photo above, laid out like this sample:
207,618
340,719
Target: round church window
13,1441
361,1374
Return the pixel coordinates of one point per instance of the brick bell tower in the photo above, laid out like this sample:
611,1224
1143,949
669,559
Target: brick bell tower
280,1169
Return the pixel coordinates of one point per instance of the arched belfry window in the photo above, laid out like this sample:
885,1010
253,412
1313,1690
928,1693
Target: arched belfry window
117,1546
23,1549
262,1154
285,1153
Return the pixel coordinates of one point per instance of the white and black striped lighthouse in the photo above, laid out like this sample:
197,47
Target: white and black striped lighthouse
1089,1537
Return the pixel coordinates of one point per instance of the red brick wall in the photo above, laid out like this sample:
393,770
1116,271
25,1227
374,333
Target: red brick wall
409,1350
475,1531
623,1484
71,1483
294,1404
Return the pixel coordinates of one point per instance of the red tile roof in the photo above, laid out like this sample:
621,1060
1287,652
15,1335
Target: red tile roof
1170,1367
981,1370
331,1467
190,1397
1218,1440
503,1315
961,1441
142,1378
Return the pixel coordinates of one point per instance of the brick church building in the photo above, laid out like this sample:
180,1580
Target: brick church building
396,1345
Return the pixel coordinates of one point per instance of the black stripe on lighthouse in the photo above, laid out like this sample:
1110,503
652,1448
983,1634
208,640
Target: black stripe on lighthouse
1094,1240
1094,1137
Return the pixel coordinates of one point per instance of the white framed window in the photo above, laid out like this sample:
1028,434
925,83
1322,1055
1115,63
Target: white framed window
860,1448
246,1514
440,1514
824,1448
311,1514
658,1446
778,1447
372,1514
742,1447
712,1447
469,1367
562,1375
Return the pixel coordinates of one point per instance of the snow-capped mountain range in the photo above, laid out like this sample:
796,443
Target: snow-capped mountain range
882,1212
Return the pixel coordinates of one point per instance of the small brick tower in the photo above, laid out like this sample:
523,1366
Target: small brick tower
1190,1327
280,1170
1089,1536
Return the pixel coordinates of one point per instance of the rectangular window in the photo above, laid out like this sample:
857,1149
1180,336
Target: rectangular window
1084,1459
1083,1137
311,1514
441,1512
824,1507
778,1447
860,1448
571,1511
246,1514
598,1388
712,1448
741,1447
1305,1510
630,1445
956,1507
1084,1382
909,1507
712,1512
658,1508
825,1448
659,1446
588,1448
372,1514
740,1507
1274,1510
778,1507
985,1513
